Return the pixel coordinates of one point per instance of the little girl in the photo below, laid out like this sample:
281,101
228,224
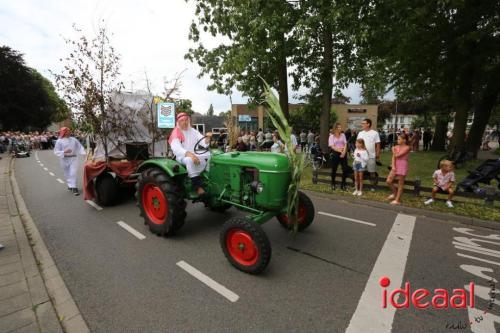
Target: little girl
399,168
360,159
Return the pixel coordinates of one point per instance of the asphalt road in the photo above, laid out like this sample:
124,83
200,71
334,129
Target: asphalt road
325,279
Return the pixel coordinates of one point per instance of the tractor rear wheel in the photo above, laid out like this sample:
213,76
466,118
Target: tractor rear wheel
106,189
245,245
305,214
161,202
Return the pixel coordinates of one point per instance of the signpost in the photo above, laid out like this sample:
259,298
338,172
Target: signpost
166,115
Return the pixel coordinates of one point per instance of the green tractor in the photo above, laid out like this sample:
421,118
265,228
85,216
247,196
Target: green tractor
254,182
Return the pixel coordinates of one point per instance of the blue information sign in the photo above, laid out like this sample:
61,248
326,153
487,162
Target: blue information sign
166,115
244,118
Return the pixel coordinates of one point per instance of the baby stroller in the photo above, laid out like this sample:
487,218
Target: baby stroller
20,149
484,173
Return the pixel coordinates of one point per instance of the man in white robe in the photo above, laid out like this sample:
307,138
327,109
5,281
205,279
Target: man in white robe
182,141
68,148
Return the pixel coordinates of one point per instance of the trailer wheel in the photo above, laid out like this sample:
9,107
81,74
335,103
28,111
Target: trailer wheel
106,189
245,245
161,202
305,216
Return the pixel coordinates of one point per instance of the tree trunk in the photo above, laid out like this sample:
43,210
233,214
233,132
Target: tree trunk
326,86
482,113
460,125
283,79
440,130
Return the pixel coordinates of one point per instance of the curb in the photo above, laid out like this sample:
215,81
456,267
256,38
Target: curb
67,311
448,217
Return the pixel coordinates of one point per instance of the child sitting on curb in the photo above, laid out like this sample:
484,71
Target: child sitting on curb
443,182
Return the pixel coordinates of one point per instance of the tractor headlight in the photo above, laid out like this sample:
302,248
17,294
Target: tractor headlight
257,186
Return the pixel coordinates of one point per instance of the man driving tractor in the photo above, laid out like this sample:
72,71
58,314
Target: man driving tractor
182,141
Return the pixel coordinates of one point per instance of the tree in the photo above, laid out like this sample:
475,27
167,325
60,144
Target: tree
27,99
445,50
210,111
325,50
260,43
90,81
184,105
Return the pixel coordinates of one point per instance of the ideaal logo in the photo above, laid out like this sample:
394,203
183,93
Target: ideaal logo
422,298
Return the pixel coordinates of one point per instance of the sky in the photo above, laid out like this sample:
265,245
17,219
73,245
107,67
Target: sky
150,36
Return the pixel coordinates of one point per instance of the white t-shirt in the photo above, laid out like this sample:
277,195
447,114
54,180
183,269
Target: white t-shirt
362,158
443,180
294,140
371,138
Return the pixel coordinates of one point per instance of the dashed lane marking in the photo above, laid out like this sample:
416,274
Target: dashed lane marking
347,219
391,262
60,181
93,204
131,230
231,296
52,174
45,169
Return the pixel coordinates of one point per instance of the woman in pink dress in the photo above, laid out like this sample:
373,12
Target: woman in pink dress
399,168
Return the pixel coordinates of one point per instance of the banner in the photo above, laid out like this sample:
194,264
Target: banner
166,115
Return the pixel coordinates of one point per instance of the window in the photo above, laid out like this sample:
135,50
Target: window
200,128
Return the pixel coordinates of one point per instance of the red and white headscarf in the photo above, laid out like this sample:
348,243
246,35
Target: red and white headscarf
177,132
63,131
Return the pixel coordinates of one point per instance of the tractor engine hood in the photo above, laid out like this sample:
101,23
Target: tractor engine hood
262,161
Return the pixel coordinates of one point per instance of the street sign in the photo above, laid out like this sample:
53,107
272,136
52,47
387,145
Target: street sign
245,118
166,115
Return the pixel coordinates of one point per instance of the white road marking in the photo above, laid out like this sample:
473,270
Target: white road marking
60,181
52,174
131,230
347,219
391,262
41,164
93,204
479,259
45,169
208,281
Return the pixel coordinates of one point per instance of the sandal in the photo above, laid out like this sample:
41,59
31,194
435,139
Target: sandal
391,197
394,202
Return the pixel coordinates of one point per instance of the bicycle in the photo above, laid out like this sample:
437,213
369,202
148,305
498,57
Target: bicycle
315,157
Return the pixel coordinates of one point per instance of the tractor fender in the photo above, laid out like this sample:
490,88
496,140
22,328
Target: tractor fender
171,167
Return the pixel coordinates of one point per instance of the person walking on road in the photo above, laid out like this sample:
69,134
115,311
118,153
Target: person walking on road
338,144
371,139
67,148
399,168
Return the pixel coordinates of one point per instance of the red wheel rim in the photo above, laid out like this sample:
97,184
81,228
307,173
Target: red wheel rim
301,216
241,247
154,203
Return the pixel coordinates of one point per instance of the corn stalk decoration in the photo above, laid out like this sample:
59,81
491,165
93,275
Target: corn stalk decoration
297,161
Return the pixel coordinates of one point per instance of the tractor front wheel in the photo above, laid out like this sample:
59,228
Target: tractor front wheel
245,245
305,215
161,202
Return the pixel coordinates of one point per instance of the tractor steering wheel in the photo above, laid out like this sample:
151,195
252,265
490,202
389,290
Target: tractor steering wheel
199,149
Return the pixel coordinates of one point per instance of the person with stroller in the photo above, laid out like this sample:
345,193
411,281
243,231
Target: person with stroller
444,178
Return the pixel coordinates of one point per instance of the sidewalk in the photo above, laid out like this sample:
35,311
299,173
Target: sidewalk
26,279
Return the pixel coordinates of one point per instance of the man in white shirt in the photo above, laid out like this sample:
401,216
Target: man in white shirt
294,141
67,148
182,141
372,144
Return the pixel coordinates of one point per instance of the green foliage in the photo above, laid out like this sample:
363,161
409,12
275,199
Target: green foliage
423,122
184,105
297,161
27,99
258,43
